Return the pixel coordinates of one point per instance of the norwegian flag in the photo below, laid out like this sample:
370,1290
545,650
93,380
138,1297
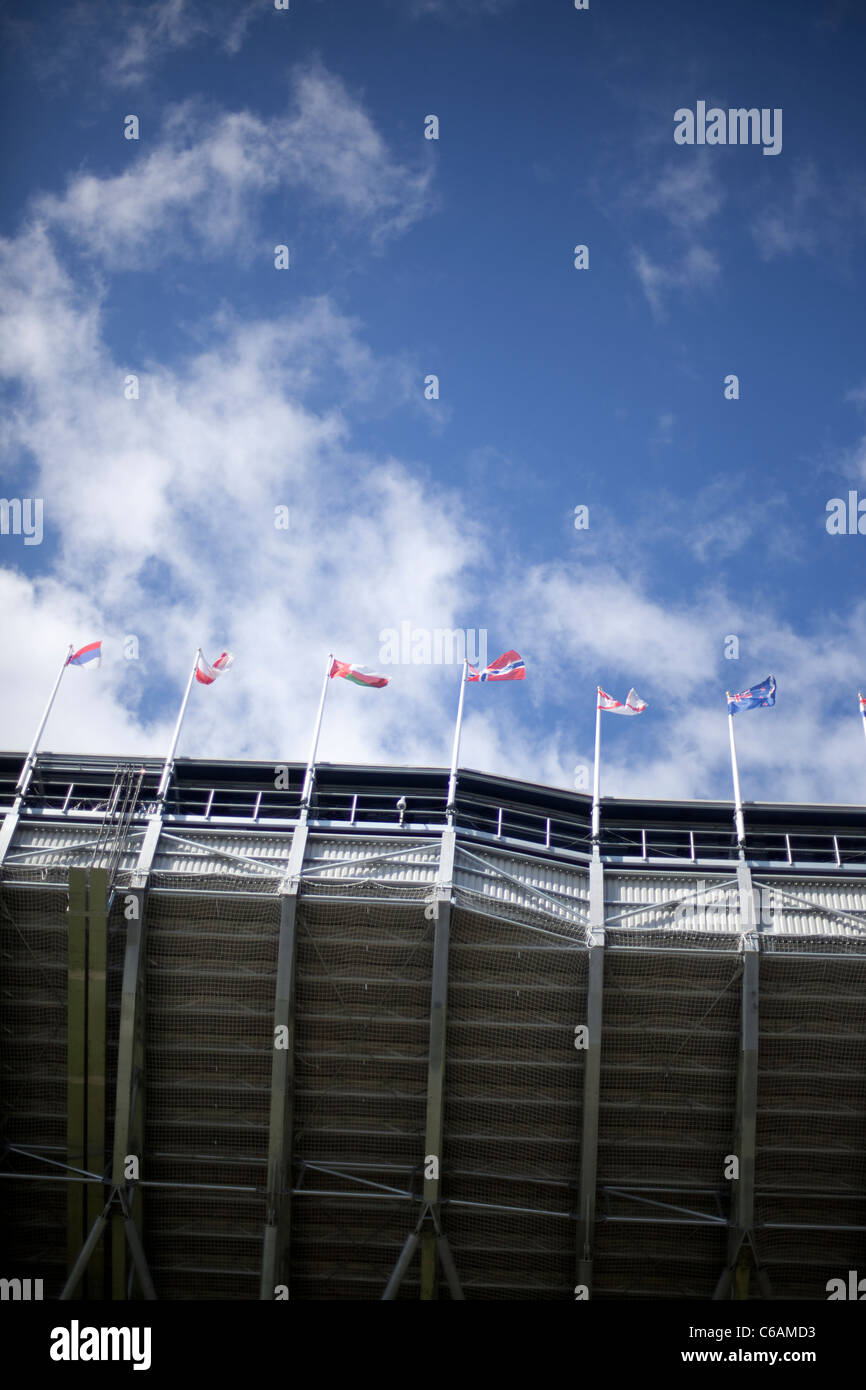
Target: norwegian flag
862,699
206,674
508,667
633,703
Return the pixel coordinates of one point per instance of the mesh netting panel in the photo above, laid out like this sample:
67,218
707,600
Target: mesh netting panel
210,973
33,968
513,1096
344,1249
33,1231
228,885
670,1044
635,1261
362,1026
811,1130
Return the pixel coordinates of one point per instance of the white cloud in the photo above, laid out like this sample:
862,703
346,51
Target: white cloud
697,269
818,211
127,40
198,191
687,195
162,509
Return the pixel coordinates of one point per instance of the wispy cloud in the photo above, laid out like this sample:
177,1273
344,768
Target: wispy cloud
198,191
452,9
696,269
128,39
818,212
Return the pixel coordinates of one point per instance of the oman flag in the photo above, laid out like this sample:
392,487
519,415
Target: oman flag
358,675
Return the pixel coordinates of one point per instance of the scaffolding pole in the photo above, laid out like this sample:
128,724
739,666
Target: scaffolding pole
591,1081
734,1279
277,1234
436,1059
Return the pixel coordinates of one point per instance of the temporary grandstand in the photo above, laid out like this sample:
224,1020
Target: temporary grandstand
373,1048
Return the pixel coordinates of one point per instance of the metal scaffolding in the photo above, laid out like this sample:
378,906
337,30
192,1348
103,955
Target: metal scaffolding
312,1126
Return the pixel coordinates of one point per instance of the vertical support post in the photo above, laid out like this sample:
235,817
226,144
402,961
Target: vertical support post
740,1230
434,1128
9,826
97,964
76,1058
129,1095
277,1233
129,1090
591,1080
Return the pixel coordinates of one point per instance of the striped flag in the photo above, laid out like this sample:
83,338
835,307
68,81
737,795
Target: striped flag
508,667
85,655
206,674
358,675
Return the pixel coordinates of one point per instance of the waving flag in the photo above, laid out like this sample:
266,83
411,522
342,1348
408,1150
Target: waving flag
633,703
206,674
758,697
358,675
508,667
862,699
85,655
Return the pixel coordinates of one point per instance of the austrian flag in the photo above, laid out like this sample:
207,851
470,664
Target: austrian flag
207,674
358,675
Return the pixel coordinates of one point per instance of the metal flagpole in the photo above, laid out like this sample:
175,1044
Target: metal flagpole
738,802
455,752
169,762
863,713
310,773
596,808
27,770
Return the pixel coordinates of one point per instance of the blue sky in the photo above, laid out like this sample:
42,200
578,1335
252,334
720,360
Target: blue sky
557,387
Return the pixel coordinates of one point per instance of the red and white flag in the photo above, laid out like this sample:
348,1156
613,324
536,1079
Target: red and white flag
206,674
508,667
633,703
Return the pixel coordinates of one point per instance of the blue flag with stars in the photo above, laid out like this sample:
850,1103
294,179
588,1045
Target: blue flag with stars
758,697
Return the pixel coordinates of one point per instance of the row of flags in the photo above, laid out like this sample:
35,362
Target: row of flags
508,667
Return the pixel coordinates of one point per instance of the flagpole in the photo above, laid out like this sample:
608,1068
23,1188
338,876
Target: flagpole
862,717
309,776
596,807
738,802
455,752
168,765
27,770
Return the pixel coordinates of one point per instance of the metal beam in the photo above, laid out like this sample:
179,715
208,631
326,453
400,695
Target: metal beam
434,1127
129,1088
278,1216
734,1279
9,826
97,964
591,1081
76,1057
